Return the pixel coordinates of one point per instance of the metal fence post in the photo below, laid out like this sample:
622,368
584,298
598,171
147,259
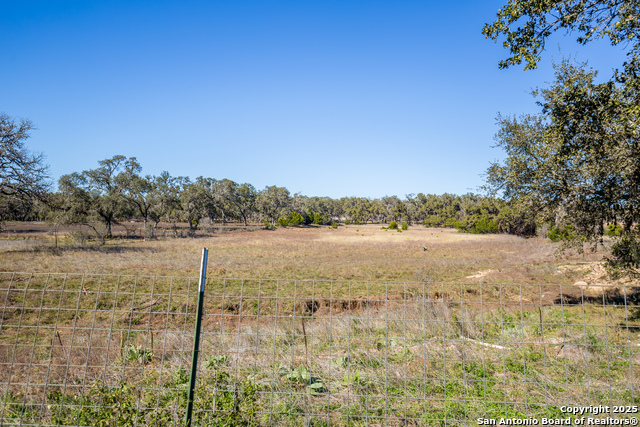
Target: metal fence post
196,337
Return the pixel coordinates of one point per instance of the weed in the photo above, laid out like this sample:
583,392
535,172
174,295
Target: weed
302,376
216,361
133,353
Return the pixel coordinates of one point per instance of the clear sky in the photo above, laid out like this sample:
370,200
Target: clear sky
327,98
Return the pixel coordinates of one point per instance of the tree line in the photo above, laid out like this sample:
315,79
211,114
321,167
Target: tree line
574,166
117,191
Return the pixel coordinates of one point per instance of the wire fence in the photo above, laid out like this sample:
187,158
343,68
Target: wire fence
115,350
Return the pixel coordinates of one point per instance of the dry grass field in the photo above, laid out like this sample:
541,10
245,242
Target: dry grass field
348,347
354,252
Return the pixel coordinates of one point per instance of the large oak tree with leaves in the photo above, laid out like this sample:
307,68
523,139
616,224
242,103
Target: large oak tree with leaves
577,162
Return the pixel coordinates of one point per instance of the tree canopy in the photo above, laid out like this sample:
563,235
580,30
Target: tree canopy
23,175
577,162
21,172
526,25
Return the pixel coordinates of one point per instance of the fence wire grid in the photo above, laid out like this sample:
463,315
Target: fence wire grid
82,349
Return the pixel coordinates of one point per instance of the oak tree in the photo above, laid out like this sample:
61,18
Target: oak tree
577,162
525,26
23,175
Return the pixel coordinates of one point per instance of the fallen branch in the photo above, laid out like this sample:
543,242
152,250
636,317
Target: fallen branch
486,344
142,307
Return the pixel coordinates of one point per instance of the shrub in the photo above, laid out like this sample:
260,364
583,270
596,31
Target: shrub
559,233
319,219
334,225
433,221
282,222
347,222
79,237
294,219
485,226
613,230
269,226
311,217
393,225
404,225
625,256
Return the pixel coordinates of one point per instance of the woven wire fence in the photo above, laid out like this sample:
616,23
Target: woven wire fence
116,350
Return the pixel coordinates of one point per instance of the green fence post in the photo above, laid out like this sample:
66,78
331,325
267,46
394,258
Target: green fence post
196,337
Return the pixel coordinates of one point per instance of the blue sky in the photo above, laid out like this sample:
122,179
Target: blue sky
327,98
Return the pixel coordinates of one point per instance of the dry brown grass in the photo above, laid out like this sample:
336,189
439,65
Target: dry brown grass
363,252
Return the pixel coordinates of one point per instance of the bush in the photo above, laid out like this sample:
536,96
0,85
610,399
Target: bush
79,237
559,233
512,220
269,226
613,230
294,219
404,225
334,225
458,225
347,222
311,217
485,226
625,256
392,226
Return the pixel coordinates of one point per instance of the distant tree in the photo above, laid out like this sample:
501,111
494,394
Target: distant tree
357,209
413,204
391,207
243,197
324,206
223,195
195,203
23,175
107,203
70,205
74,204
400,211
17,207
274,202
165,197
136,190
517,218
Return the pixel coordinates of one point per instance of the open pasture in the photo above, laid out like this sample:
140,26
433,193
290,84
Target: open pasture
354,252
312,326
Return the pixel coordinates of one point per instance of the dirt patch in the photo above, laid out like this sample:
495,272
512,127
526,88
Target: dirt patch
481,274
595,277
